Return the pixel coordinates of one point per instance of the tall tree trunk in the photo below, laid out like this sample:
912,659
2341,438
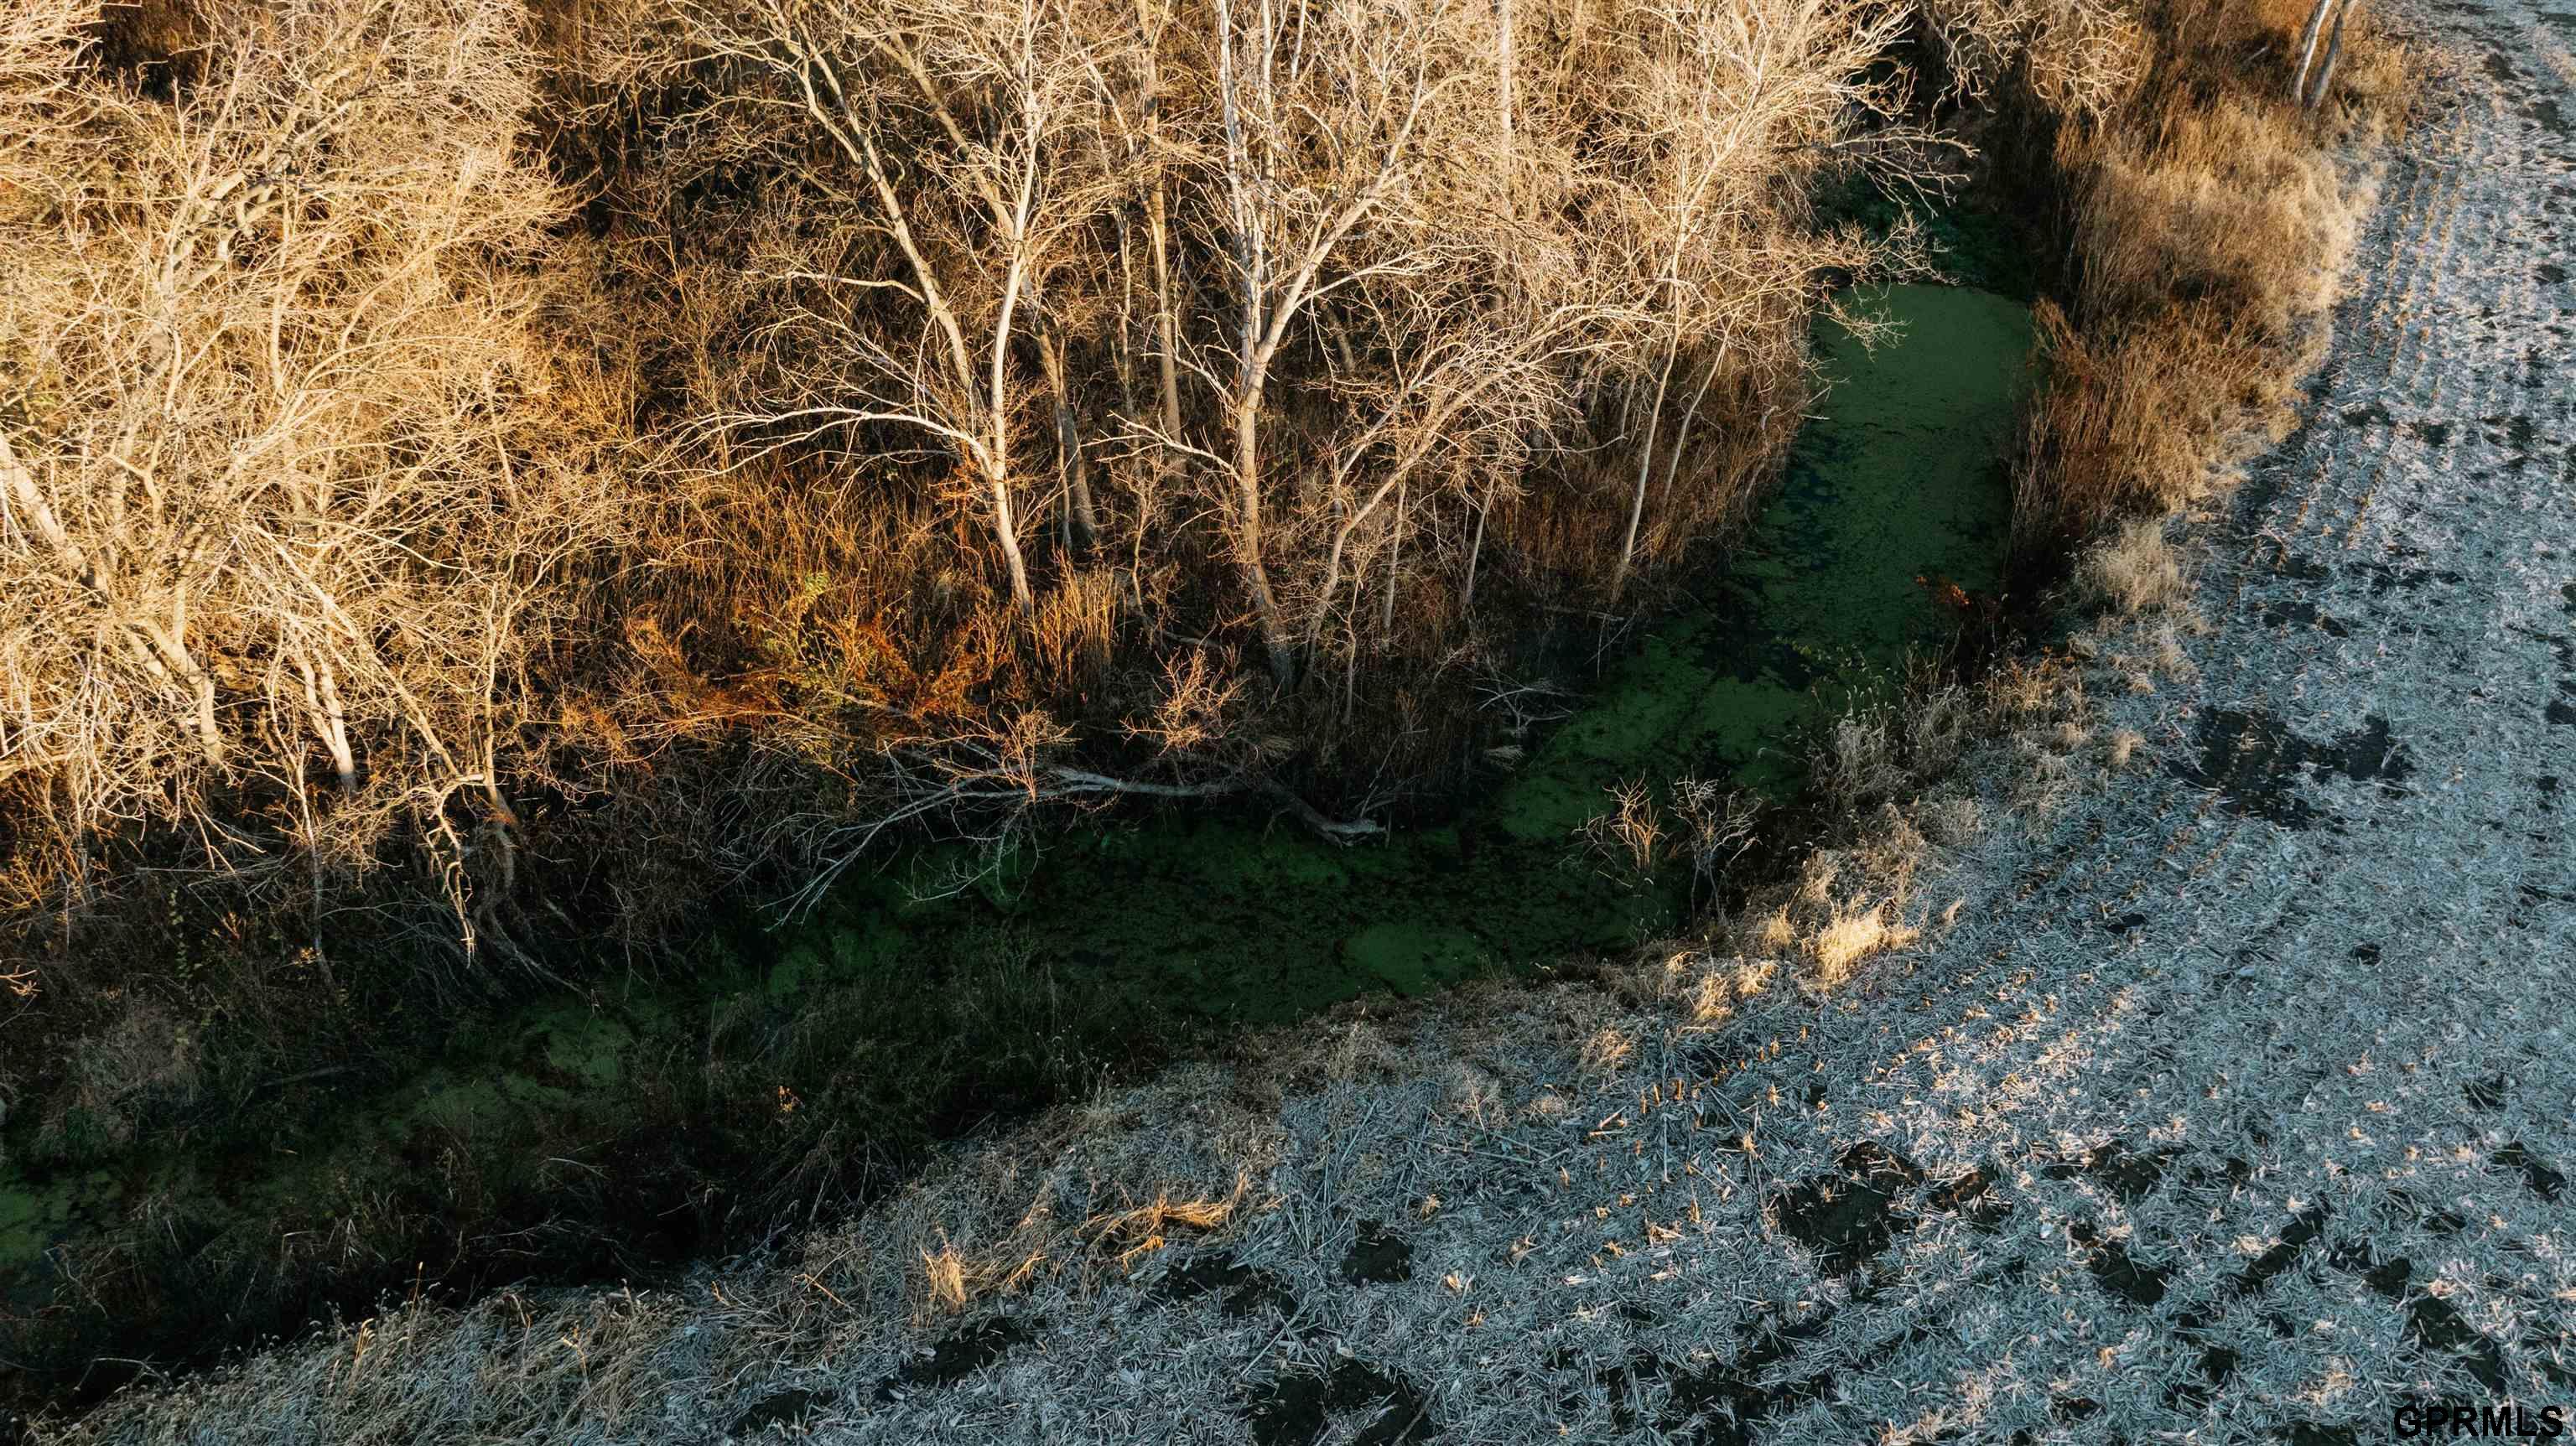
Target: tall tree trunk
2308,37
1006,533
1475,554
1068,436
997,465
2334,53
1158,225
1394,563
1645,469
1247,539
1167,329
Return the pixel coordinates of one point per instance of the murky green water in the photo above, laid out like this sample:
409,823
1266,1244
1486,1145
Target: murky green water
1230,920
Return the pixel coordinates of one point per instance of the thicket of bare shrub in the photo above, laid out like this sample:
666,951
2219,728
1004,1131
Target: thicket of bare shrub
1218,388
292,479
741,429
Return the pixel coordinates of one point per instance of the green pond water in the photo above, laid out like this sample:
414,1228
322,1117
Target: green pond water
1226,919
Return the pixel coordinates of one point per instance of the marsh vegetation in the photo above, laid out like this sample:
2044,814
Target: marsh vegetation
504,506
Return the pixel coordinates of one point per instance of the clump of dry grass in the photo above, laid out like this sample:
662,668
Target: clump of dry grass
1858,929
2133,570
1953,822
1860,761
1605,1050
1843,908
1713,992
144,1052
1133,1234
2121,748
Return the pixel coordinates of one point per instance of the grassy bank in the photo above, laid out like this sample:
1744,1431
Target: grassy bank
2193,222
2190,223
2205,222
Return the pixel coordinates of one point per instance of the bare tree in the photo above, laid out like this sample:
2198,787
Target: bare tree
913,302
1324,112
1741,95
285,476
1463,402
1247,275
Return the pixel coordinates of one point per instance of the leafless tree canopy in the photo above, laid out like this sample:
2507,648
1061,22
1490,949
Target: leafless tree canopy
799,417
1287,332
289,477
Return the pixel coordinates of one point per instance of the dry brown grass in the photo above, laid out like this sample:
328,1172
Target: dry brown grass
1007,1255
1131,1235
2134,570
2122,747
2211,221
1605,1050
1859,929
1953,822
1075,629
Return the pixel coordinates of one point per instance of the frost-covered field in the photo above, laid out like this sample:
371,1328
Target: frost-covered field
2238,1104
